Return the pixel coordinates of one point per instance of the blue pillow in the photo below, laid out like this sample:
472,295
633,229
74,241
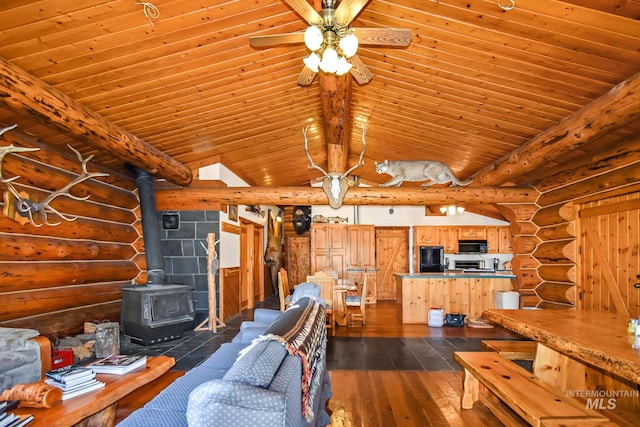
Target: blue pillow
258,365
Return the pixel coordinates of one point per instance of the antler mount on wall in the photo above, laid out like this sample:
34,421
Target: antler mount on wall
22,207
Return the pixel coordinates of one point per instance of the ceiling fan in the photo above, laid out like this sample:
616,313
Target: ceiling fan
332,43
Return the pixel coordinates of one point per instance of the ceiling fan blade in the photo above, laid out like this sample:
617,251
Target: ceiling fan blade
359,71
276,40
349,9
383,36
305,10
306,76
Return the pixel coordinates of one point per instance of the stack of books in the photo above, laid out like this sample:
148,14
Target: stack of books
118,364
8,419
74,381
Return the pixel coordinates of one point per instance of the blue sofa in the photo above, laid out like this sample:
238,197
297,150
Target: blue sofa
273,373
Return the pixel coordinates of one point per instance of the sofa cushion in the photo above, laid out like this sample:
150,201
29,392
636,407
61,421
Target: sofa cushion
258,364
224,357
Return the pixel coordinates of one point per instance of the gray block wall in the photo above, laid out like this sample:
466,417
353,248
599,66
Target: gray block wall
184,255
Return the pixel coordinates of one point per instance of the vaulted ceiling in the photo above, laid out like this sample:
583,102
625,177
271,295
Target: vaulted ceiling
476,83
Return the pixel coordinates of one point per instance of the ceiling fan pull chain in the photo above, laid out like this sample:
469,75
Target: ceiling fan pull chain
150,11
508,6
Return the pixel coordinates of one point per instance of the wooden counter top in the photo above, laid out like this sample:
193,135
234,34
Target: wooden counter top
595,338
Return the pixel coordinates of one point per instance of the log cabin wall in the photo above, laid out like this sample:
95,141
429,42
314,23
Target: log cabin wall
546,239
53,278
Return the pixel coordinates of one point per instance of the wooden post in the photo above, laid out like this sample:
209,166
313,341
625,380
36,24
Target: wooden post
212,320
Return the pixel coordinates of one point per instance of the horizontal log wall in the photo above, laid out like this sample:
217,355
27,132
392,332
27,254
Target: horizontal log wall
545,239
54,278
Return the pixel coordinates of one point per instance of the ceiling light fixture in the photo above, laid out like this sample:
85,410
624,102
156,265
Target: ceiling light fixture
452,210
330,43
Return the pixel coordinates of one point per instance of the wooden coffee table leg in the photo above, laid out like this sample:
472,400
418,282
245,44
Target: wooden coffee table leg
104,418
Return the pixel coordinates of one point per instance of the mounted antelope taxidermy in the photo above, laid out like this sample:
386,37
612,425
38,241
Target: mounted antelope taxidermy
335,184
19,205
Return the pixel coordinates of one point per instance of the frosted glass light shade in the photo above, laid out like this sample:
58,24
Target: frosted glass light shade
329,63
313,38
343,66
349,45
312,62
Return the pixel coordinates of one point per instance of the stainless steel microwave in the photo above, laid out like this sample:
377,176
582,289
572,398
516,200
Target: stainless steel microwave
472,246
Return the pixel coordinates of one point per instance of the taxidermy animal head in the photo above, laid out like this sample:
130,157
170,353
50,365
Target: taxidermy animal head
301,218
418,170
335,184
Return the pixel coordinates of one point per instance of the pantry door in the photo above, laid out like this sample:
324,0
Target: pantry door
392,256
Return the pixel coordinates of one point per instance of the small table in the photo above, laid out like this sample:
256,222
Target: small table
99,407
339,300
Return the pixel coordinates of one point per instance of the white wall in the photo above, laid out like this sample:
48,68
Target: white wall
407,216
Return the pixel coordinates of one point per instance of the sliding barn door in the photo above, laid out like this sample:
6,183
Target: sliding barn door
609,255
392,256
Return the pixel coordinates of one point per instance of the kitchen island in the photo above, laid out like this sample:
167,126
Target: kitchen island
457,291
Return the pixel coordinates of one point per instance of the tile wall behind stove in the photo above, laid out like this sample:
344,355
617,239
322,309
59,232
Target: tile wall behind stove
183,249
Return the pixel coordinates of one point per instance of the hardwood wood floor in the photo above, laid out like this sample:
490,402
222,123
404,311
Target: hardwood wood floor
383,398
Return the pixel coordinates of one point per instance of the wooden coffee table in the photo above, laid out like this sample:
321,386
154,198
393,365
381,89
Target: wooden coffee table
98,408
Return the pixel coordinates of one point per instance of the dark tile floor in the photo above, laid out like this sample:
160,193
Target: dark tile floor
343,353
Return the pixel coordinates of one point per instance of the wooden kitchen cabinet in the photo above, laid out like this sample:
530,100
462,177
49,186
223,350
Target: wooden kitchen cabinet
329,248
426,236
472,233
349,250
449,239
493,240
505,238
361,246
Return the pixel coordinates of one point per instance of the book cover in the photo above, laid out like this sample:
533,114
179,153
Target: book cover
118,364
68,374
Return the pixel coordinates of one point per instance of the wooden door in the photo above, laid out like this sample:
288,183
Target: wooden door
392,255
609,239
251,264
298,259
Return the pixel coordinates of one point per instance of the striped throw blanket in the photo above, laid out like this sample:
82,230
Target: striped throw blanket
302,330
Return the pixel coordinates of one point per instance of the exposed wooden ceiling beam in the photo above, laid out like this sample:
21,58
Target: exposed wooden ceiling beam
29,96
380,196
617,108
335,96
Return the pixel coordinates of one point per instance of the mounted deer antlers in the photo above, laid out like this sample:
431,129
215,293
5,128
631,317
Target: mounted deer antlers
335,184
27,208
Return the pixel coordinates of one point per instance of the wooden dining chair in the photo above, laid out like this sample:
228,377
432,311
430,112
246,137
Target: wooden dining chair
327,284
283,289
356,304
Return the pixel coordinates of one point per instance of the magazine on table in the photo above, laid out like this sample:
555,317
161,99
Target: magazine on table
118,364
70,374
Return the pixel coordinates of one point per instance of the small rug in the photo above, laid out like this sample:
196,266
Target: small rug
479,323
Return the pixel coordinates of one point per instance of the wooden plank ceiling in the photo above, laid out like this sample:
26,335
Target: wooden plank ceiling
476,82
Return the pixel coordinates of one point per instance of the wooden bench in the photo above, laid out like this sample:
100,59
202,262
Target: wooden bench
511,349
514,395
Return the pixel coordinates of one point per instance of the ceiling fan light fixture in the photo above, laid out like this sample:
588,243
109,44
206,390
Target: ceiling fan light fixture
329,63
343,66
349,45
312,62
313,38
